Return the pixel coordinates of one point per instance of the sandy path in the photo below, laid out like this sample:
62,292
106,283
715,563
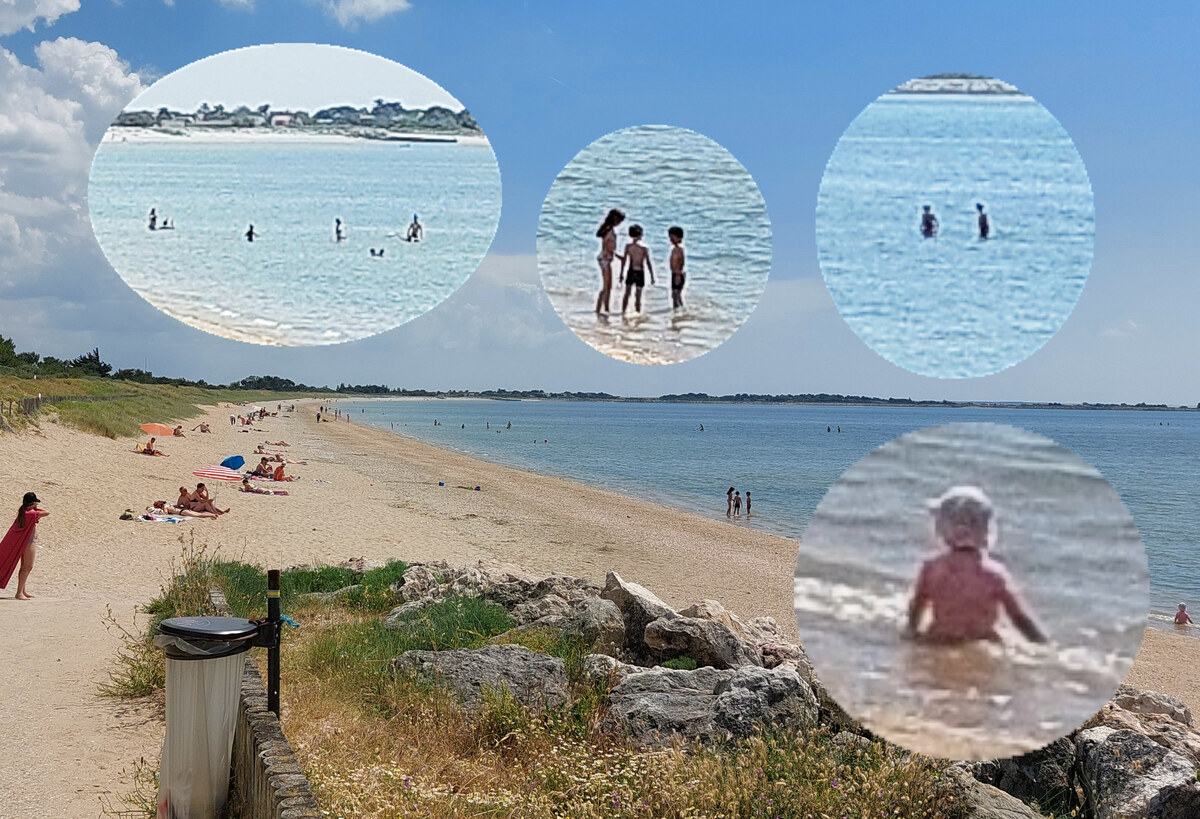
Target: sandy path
381,501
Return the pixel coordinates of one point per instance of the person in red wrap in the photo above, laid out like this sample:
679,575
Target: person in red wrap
19,545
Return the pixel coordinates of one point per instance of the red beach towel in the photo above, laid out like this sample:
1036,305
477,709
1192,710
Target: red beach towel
14,543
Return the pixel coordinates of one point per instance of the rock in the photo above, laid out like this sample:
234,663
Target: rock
1124,774
360,565
980,801
1040,778
762,634
333,596
603,669
708,642
595,622
639,607
534,679
1151,702
849,741
707,704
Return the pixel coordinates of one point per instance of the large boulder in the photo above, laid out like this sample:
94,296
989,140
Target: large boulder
604,669
1163,719
1041,778
1151,702
708,704
708,642
595,622
639,607
535,680
978,800
762,635
1124,774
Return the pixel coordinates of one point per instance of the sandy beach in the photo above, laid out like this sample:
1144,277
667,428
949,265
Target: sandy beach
363,493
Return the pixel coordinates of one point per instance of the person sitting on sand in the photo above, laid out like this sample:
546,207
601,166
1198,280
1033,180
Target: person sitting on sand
263,470
203,427
278,475
149,449
963,587
1182,618
201,502
178,432
634,266
179,511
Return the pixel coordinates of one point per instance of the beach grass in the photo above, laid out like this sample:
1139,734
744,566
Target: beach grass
115,409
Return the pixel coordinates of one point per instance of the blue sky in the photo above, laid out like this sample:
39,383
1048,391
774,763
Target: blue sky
775,84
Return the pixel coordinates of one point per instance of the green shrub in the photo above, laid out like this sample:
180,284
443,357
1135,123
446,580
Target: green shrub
684,663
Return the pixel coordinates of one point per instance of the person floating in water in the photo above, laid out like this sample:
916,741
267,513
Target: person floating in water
338,233
377,253
250,234
963,587
634,266
985,227
166,224
608,251
153,218
415,231
1182,618
675,234
929,223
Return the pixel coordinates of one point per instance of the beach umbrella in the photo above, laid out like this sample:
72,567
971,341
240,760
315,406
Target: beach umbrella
218,473
157,429
233,462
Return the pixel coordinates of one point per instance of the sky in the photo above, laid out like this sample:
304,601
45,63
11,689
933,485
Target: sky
775,84
293,76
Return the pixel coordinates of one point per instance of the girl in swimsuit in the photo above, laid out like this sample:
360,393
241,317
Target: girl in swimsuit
608,250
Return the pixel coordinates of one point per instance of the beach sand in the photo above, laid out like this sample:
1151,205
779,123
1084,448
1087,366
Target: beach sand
381,501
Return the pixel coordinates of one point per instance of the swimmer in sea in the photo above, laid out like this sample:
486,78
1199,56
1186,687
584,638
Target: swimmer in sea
929,223
250,234
985,227
963,588
415,231
1182,618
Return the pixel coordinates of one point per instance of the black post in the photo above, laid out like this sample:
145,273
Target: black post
273,649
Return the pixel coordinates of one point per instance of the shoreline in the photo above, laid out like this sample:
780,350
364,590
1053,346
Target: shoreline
364,492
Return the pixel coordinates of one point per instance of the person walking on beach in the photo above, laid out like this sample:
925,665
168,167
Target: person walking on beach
929,223
1182,618
20,545
985,227
963,587
737,504
634,266
729,506
608,250
675,234
250,234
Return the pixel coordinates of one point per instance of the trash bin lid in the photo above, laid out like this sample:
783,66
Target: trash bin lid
217,629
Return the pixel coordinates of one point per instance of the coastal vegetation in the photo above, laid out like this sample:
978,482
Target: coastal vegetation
374,743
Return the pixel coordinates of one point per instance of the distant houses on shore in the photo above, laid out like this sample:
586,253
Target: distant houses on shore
390,116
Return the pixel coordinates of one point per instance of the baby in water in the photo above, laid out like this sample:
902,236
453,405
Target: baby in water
964,588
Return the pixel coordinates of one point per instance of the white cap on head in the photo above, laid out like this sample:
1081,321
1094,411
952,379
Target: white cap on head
958,502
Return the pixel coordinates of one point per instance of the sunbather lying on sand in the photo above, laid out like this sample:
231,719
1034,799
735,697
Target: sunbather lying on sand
167,509
246,487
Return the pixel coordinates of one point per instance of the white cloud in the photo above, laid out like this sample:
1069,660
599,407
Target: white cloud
1125,329
349,13
18,14
237,4
50,120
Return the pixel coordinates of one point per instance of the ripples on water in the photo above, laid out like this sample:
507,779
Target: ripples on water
294,285
659,177
1064,534
955,306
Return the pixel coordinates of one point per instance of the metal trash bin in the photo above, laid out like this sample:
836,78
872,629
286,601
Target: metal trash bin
205,660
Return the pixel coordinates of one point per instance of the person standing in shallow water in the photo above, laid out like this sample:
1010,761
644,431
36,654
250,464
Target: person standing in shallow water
250,234
729,507
929,223
985,227
607,234
20,545
737,504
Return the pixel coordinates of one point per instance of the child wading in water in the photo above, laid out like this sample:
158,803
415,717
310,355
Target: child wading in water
675,234
634,266
964,588
608,250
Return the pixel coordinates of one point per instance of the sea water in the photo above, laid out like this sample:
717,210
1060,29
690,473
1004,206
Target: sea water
954,305
294,284
1060,530
788,461
658,177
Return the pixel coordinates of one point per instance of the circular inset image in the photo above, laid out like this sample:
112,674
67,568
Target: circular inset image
654,244
955,226
971,591
294,194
